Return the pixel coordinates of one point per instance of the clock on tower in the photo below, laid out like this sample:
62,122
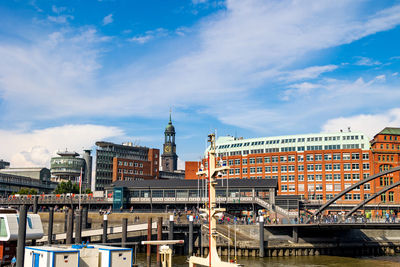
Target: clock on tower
169,159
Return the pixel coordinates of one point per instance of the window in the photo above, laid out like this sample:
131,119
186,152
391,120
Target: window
318,177
337,187
329,196
367,187
347,197
365,175
356,176
318,167
300,158
355,166
356,197
310,157
125,163
259,160
310,177
300,168
329,187
231,171
355,156
291,158
328,167
337,177
336,156
347,166
244,170
274,168
292,188
274,159
346,156
391,196
291,168
252,160
365,166
131,164
252,170
237,161
259,169
328,177
283,188
284,178
300,187
283,168
300,177
283,158
365,156
310,167
120,163
336,167
244,161
318,157
383,198
268,169
366,196
347,177
318,187
328,156
237,171
141,165
267,159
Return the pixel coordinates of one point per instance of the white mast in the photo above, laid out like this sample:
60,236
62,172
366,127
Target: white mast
212,260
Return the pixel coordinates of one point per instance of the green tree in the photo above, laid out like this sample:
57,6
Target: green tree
67,187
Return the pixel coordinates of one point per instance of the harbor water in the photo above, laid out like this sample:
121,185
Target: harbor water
303,261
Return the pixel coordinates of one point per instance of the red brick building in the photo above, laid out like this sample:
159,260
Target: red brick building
315,166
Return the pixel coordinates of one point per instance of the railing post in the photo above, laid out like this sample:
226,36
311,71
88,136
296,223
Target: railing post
159,237
124,232
190,235
78,227
171,229
149,228
70,226
50,228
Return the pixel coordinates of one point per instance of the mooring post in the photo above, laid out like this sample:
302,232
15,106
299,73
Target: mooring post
159,237
190,235
261,223
149,226
70,226
84,217
78,227
124,232
105,227
35,204
50,228
65,220
295,234
171,230
21,235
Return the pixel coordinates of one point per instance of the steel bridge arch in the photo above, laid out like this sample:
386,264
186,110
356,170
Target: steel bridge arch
373,177
387,188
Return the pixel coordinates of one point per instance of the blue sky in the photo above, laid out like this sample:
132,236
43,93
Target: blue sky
74,72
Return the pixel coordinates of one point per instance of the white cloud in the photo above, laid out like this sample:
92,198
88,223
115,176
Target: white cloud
149,35
365,61
62,19
35,148
370,124
308,73
108,19
58,10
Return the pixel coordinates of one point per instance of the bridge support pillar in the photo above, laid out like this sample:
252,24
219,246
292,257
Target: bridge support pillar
70,226
105,228
295,234
21,235
50,228
124,232
261,224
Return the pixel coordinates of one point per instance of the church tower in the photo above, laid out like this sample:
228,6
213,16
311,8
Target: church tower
169,158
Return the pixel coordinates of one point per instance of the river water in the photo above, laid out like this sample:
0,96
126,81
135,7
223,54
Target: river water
303,261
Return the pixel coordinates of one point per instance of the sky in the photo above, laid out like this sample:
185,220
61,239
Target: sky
76,72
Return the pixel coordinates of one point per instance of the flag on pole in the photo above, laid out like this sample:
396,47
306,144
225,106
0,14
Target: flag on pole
80,181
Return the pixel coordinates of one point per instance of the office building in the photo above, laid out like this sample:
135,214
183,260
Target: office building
315,166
